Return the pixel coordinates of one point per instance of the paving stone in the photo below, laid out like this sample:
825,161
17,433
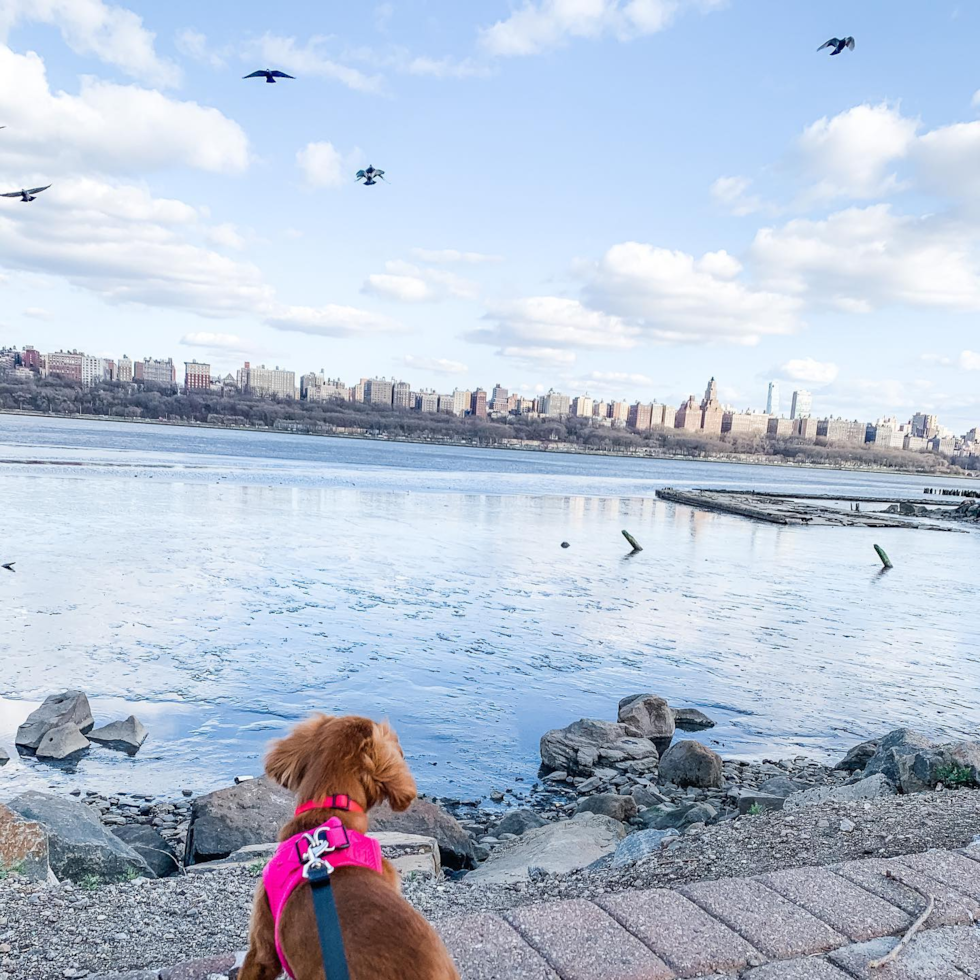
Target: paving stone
805,969
939,954
485,947
952,908
774,926
951,869
844,906
584,942
689,940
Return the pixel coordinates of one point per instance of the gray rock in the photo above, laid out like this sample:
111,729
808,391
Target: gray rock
866,789
125,736
426,819
783,786
587,744
897,746
4,756
691,719
61,742
665,818
965,756
230,818
620,808
518,822
650,716
23,846
67,708
555,848
590,784
690,763
151,847
78,845
764,801
647,796
848,826
638,846
859,756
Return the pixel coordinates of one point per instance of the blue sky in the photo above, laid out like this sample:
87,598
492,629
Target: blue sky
619,196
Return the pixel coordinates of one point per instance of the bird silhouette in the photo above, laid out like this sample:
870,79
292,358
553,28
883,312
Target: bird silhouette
269,76
27,195
369,175
838,44
9,566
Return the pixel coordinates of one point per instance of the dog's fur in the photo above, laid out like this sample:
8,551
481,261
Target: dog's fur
384,937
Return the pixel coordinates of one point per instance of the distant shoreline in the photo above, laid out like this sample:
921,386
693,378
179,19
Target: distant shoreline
568,449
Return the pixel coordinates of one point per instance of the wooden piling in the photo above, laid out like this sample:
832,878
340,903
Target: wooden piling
885,560
635,544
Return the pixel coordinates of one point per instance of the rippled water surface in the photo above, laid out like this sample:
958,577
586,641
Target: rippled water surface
222,584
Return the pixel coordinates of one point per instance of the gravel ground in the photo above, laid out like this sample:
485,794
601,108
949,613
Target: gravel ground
63,931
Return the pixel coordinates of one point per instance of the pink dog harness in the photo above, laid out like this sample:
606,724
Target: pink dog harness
330,845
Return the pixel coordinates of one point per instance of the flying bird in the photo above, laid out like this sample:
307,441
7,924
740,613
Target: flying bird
269,76
9,566
369,175
838,44
27,195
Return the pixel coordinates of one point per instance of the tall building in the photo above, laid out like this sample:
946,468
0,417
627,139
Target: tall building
155,371
378,391
780,428
447,403
772,400
924,425
197,377
31,359
712,412
688,416
619,411
427,401
263,382
94,370
640,417
745,423
555,405
124,370
478,405
802,404
841,430
600,410
65,364
317,388
662,416
461,402
582,407
401,395
805,428
498,400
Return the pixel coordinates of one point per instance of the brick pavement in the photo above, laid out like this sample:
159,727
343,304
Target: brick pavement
824,923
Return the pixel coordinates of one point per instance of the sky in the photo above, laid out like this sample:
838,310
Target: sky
619,197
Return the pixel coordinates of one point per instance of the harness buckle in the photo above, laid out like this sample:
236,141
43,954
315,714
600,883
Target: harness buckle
320,842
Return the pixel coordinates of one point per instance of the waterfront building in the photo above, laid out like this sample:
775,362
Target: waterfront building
447,403
688,416
462,401
263,382
619,411
427,401
379,391
478,404
943,444
780,428
925,425
499,399
712,411
640,417
197,377
402,395
886,434
155,371
842,431
915,444
662,416
555,405
745,423
582,407
65,364
600,410
124,369
802,404
805,428
772,399
30,358
95,370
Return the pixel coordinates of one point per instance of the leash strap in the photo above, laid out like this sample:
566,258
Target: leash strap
328,924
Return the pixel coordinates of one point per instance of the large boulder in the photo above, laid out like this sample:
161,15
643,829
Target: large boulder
866,789
124,736
636,847
67,708
783,786
555,848
667,818
859,756
412,855
62,742
151,846
518,822
426,819
23,846
4,756
690,763
964,758
650,716
895,754
691,719
585,744
252,812
79,846
621,808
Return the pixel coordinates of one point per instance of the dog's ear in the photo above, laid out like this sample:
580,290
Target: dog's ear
287,759
386,772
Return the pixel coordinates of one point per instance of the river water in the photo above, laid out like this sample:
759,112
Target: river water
223,584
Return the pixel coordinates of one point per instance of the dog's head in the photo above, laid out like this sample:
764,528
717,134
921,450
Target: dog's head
325,755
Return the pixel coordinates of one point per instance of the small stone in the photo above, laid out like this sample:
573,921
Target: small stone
847,826
565,544
497,796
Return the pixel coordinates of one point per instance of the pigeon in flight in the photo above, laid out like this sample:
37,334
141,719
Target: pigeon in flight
369,175
9,566
838,44
27,195
269,76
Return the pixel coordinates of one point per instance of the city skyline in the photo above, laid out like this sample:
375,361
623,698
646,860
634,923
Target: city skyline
810,220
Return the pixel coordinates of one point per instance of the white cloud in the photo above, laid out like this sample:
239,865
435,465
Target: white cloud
437,365
404,289
537,357
383,13
733,193
940,359
851,153
948,160
809,371
408,283
448,255
38,313
619,378
226,235
195,45
677,299
331,320
969,360
446,67
323,165
309,60
216,341
866,258
544,24
107,127
91,27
